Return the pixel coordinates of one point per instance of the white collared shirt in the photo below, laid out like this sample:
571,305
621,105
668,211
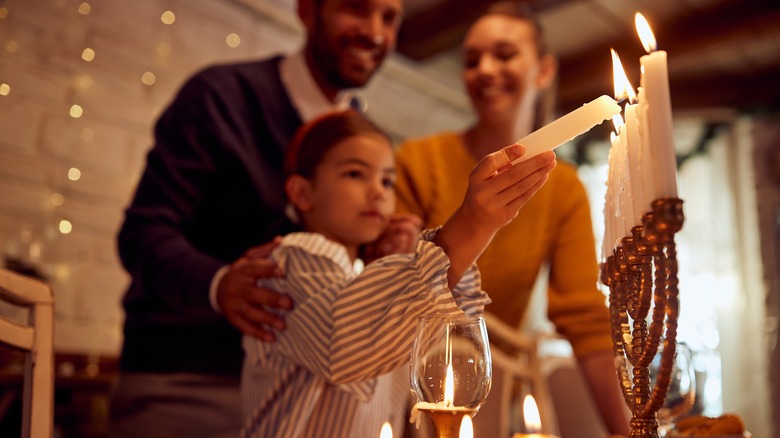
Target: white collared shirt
304,92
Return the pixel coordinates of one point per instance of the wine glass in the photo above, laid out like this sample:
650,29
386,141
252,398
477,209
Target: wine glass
682,387
451,369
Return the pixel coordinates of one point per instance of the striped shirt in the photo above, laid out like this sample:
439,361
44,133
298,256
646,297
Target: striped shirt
341,368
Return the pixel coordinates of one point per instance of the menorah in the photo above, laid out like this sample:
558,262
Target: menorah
642,276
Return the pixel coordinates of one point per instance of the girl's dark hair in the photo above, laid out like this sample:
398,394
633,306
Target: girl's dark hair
315,138
521,10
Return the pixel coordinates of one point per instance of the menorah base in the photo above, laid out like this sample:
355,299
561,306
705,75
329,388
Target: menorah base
643,428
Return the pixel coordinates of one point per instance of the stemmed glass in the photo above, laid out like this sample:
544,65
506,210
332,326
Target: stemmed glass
682,388
451,370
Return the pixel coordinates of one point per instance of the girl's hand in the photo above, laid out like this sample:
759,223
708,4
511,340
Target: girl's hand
497,189
400,237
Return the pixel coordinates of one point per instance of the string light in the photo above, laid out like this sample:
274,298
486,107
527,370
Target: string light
74,174
87,134
5,89
163,50
76,111
84,81
57,199
85,8
168,17
233,40
65,226
88,54
148,78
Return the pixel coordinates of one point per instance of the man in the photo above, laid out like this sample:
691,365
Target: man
210,196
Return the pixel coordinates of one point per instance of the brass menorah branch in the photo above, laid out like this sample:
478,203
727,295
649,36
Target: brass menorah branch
641,275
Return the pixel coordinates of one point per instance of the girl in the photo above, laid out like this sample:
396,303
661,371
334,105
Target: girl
338,369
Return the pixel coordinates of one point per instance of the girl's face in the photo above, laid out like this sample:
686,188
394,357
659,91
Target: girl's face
352,194
502,67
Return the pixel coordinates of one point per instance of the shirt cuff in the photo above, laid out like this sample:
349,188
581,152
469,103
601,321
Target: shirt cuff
213,288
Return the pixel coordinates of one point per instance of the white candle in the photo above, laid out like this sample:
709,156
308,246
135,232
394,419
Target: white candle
640,187
569,126
625,201
657,107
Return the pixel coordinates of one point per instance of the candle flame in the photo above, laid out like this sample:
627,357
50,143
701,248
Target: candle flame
617,120
623,87
645,33
449,387
387,431
466,427
533,422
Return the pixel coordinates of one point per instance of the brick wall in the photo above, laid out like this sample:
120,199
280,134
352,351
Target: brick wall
41,65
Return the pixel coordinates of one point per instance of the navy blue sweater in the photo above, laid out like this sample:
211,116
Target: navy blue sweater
212,188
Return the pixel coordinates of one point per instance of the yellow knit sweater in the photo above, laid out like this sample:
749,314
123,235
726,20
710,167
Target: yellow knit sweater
553,227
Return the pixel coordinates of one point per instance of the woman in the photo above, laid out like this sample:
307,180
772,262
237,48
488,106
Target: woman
506,69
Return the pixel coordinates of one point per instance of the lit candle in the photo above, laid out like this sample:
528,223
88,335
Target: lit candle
533,422
445,406
387,431
635,202
641,184
655,107
569,126
466,427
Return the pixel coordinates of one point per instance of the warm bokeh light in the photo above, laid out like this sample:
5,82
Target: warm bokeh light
3,12
387,431
85,8
87,134
148,78
168,17
88,54
57,199
11,46
5,89
466,427
84,81
645,33
233,40
65,226
163,50
533,422
76,111
74,174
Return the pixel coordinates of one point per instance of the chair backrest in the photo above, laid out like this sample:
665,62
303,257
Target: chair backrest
36,340
514,375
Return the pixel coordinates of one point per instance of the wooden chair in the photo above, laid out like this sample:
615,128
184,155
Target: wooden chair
36,340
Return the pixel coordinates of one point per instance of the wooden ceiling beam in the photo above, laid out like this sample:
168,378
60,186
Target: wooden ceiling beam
442,26
589,74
